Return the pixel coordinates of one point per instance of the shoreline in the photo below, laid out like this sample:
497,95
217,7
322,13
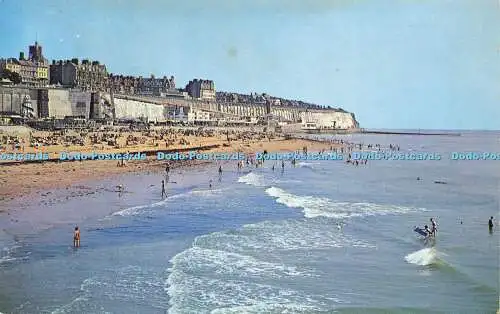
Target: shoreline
30,180
409,133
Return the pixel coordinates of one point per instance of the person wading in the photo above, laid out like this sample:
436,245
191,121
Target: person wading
76,237
163,192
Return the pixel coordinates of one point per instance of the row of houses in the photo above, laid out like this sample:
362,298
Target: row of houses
92,76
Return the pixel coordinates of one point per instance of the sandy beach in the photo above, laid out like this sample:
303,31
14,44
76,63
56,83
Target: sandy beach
24,179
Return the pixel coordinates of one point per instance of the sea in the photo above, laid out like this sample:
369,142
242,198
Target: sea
323,236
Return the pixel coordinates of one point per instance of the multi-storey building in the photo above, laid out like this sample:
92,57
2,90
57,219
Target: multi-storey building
201,89
87,75
10,64
199,116
122,84
141,86
33,71
155,86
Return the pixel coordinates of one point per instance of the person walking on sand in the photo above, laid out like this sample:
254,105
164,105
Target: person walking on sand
163,192
76,237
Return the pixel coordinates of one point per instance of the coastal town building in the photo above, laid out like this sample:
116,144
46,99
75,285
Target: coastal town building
155,86
85,90
33,71
87,75
121,84
177,114
201,89
152,86
11,65
199,117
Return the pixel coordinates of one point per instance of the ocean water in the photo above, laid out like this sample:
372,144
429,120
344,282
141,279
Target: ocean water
323,236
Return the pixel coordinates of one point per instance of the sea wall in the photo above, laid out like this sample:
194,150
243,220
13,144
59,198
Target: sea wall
133,109
156,109
12,98
63,102
44,102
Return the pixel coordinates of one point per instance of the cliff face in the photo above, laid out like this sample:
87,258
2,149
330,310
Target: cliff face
329,119
157,110
132,109
353,117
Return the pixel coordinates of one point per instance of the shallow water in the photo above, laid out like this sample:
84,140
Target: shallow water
324,236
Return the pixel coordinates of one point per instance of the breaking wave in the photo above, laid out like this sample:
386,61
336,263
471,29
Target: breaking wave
319,206
243,270
140,209
125,283
252,179
423,257
309,165
12,253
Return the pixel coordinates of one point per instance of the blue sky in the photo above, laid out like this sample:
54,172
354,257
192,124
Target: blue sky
395,64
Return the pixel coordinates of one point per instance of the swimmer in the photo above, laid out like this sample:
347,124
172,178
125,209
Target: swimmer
427,231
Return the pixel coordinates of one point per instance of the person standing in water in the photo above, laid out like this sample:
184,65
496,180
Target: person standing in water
490,224
220,170
76,237
433,227
163,192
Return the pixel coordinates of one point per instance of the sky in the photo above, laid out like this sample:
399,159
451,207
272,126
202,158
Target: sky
404,64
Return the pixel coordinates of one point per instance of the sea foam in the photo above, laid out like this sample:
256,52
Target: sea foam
423,257
313,206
